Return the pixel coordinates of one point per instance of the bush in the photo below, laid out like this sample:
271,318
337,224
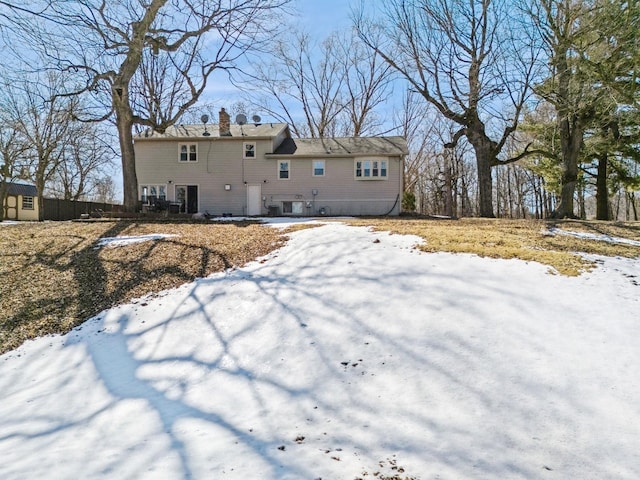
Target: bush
409,201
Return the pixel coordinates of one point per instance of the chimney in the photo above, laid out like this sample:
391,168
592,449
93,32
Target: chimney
224,125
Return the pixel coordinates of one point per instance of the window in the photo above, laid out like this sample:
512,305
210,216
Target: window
188,152
149,194
27,203
249,150
294,208
371,169
283,169
318,168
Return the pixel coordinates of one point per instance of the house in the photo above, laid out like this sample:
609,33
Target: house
21,202
259,168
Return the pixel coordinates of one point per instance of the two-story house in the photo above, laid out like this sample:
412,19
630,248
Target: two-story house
259,169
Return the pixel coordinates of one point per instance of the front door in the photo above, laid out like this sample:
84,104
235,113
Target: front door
254,199
187,197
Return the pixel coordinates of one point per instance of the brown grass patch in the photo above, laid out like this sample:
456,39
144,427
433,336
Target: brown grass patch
523,239
54,277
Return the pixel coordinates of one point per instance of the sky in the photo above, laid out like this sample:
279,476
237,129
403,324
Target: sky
344,352
325,16
318,18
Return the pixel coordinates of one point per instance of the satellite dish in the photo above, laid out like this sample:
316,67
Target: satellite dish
241,119
256,119
204,119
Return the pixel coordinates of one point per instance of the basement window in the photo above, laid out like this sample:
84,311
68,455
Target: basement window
292,208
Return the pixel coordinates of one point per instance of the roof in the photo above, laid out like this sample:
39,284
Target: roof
21,189
342,147
249,130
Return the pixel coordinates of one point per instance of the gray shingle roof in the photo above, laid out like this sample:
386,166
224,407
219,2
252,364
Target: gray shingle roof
194,131
345,146
22,189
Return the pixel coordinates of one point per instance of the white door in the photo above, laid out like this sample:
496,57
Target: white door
254,199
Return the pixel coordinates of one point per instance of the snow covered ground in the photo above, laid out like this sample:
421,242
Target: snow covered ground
345,352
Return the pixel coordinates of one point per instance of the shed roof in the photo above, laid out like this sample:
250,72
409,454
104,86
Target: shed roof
21,189
342,147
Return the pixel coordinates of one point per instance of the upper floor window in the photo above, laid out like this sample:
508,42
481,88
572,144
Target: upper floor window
318,168
371,169
249,150
27,203
188,152
283,169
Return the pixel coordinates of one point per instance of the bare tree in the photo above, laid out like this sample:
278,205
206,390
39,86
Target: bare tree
11,151
322,90
87,154
108,43
43,122
104,190
367,86
460,56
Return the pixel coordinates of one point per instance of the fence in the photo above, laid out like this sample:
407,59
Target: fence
56,209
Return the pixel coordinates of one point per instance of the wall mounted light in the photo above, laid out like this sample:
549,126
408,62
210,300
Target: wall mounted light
169,182
227,187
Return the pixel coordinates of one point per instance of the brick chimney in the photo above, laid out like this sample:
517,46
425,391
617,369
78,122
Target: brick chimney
224,124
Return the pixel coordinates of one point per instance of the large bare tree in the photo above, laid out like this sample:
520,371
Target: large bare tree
109,43
464,58
331,88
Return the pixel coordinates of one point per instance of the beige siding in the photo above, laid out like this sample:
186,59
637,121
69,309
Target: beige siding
338,192
220,162
28,214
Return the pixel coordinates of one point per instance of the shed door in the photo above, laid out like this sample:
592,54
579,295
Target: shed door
12,207
254,199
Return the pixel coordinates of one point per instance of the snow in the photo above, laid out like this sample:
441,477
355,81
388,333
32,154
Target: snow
594,236
123,240
344,349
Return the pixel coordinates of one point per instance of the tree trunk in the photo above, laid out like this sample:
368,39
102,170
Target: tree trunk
124,123
571,141
40,188
602,191
632,198
448,190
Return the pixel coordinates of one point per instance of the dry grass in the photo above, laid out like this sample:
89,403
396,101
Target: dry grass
54,277
527,240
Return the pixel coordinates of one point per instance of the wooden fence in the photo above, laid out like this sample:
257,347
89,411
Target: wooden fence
56,209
